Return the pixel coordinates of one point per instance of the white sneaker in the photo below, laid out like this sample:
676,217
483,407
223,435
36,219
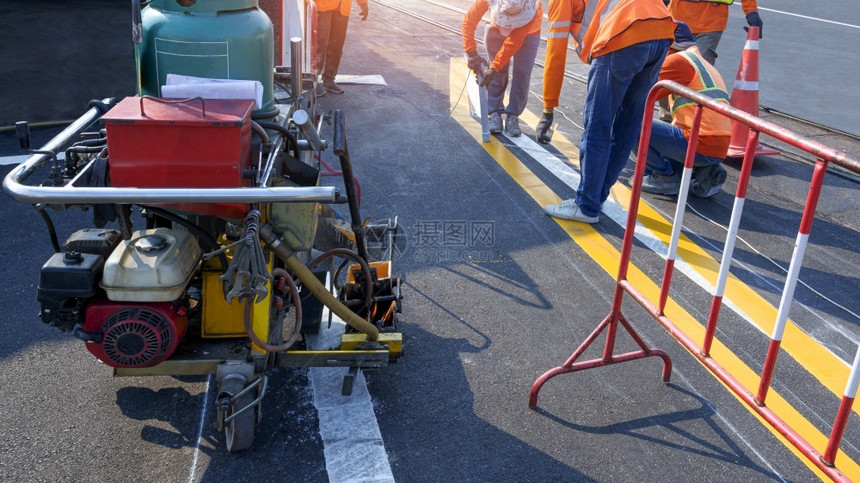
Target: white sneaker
495,122
569,210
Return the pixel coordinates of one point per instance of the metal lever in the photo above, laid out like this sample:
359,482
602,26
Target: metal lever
295,67
303,120
341,149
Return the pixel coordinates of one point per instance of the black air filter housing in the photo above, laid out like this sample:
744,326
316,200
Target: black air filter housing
93,240
66,281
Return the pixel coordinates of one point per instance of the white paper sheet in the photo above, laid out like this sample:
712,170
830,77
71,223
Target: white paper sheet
182,86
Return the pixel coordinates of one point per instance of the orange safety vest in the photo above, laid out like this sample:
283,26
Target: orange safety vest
608,25
598,27
343,5
716,129
512,42
706,16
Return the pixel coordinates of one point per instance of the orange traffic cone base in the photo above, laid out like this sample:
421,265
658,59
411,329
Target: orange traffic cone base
745,97
738,151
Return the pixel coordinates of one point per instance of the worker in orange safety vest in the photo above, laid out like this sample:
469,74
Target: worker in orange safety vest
708,19
512,38
667,146
625,42
332,22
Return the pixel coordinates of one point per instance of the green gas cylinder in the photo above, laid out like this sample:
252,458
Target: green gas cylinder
222,39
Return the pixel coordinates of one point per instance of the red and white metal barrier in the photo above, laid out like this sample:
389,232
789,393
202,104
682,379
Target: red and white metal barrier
824,461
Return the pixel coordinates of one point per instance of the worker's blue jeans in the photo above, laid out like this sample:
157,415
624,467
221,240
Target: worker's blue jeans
523,62
667,149
618,84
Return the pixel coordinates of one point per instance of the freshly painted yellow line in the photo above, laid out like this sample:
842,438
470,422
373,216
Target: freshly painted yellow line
607,257
822,364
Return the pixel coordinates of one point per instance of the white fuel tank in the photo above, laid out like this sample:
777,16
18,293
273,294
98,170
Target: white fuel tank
153,266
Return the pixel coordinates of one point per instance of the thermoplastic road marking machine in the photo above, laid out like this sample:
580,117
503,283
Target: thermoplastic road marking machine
229,269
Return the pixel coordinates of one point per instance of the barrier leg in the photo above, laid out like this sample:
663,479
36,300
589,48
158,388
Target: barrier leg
611,323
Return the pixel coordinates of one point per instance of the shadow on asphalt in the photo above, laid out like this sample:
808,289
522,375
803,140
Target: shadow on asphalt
701,446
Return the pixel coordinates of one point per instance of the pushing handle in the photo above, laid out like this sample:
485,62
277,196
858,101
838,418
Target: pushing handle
173,101
339,137
22,129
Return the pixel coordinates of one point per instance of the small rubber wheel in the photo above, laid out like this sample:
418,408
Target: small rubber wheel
239,433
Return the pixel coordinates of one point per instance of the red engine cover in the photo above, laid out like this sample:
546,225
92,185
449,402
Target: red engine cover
137,334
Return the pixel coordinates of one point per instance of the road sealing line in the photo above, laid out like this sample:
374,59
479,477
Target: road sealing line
352,444
200,427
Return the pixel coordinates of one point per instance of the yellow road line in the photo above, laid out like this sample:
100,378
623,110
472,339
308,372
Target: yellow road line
602,252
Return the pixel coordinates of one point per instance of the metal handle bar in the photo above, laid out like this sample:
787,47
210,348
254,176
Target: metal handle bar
14,185
86,195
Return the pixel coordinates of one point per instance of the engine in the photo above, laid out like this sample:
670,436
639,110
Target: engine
133,335
124,298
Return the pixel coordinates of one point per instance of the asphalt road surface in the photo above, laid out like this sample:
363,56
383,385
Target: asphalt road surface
496,293
808,59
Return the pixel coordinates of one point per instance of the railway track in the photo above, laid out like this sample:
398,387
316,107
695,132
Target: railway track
796,156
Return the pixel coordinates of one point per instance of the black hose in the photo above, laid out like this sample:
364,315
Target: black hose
51,230
271,113
101,106
281,129
347,253
249,328
294,292
204,236
100,141
84,149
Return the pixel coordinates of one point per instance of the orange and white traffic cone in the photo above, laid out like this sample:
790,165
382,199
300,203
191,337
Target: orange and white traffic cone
745,97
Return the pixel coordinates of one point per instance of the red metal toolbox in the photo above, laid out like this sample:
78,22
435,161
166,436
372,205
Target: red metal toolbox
190,143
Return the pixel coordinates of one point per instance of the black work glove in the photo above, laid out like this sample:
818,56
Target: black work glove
754,20
489,75
476,63
544,128
363,12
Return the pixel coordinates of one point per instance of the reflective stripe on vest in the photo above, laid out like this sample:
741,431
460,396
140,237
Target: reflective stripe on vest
587,18
709,86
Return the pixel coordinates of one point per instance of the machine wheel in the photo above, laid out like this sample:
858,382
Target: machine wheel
239,433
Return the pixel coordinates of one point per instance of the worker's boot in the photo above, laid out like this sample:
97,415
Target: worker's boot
512,126
707,180
319,90
660,184
495,123
330,86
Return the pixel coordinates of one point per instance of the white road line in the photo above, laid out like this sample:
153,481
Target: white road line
352,444
200,430
6,160
842,24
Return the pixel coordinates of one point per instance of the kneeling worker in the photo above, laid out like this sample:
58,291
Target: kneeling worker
511,37
667,147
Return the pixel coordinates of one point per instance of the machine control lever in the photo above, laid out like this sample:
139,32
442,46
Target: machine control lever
303,121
